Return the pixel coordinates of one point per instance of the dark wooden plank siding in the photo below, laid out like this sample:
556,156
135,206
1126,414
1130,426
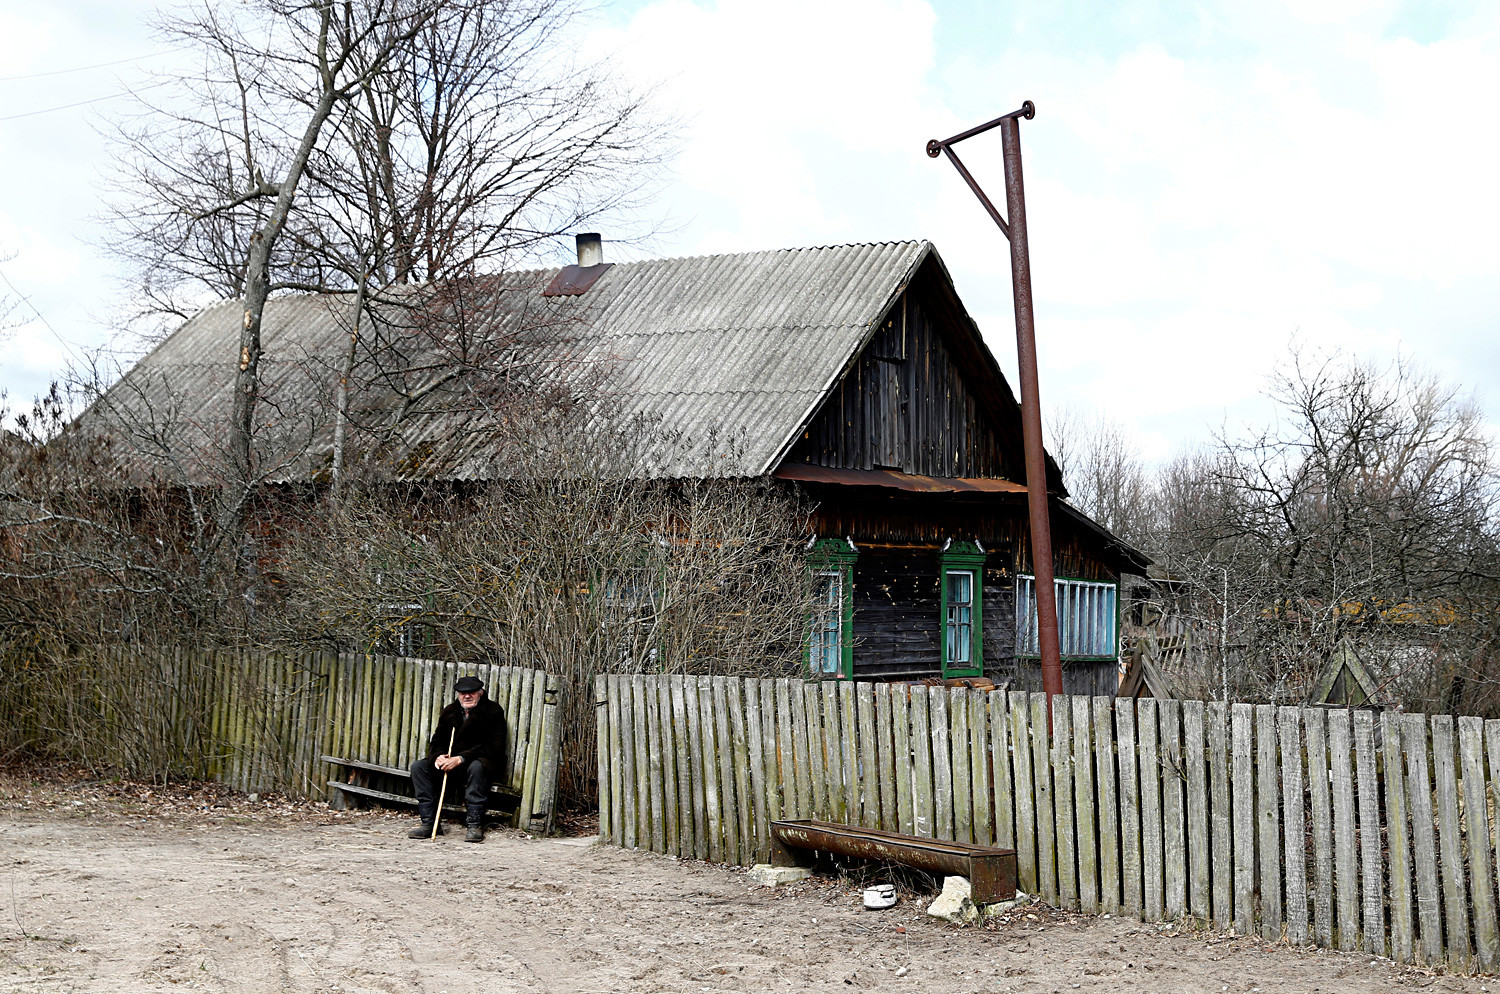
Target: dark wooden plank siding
871,515
896,607
999,621
1091,678
905,405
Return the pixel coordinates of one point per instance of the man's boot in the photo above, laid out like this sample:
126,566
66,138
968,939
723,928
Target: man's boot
425,814
475,831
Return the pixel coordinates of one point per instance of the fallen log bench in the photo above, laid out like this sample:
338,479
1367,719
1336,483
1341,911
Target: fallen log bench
991,870
358,783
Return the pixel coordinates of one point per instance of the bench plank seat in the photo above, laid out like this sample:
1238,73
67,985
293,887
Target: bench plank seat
502,796
498,802
394,771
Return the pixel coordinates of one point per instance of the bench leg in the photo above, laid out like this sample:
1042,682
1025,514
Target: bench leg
784,855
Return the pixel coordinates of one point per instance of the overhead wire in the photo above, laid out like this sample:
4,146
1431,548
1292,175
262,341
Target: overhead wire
39,315
97,65
81,103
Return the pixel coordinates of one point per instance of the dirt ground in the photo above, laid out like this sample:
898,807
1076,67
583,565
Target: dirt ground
121,887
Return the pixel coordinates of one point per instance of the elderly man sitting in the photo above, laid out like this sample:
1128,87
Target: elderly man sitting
468,745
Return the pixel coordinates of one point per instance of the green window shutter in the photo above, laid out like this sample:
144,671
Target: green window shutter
961,585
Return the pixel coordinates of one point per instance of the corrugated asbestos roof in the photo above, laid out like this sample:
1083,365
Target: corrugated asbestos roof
729,354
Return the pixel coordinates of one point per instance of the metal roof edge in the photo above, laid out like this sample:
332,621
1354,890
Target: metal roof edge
1125,549
82,416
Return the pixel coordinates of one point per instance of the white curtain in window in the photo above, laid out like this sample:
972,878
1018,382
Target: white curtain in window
1085,618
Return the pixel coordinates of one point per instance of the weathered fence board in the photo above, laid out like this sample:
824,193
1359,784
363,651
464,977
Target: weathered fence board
1084,793
1066,833
1398,841
1173,809
1292,810
1268,820
1221,826
1424,845
869,762
1455,888
1131,875
1152,852
1372,907
1471,759
1196,773
924,821
1108,810
1345,851
942,766
1042,791
1320,798
979,768
905,771
963,786
1027,870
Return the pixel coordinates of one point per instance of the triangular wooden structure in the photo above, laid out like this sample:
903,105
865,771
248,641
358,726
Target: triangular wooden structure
1144,679
1344,682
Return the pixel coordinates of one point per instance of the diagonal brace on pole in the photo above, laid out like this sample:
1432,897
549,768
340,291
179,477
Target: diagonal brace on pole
1014,230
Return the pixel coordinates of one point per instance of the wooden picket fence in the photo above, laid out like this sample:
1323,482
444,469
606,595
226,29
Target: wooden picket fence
1342,829
263,721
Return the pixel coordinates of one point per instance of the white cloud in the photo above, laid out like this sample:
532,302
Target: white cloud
784,103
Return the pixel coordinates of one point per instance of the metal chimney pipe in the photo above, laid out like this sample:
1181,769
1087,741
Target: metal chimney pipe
590,250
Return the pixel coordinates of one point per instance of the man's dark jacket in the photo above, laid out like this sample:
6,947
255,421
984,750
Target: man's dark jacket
482,737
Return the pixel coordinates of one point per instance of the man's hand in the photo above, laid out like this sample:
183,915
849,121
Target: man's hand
448,763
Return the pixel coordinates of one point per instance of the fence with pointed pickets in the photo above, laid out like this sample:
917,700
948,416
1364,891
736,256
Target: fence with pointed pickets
263,721
1342,829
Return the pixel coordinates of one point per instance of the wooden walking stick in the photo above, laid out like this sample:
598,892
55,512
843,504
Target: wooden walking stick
437,816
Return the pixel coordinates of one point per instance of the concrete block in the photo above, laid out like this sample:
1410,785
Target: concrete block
770,876
986,910
955,903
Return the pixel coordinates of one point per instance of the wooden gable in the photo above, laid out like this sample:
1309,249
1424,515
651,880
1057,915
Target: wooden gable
923,396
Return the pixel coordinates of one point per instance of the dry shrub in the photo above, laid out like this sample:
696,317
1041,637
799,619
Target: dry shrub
142,714
576,576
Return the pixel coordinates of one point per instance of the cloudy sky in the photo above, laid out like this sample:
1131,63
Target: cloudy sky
1208,183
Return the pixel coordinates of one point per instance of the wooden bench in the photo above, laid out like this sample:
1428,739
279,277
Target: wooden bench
360,774
991,870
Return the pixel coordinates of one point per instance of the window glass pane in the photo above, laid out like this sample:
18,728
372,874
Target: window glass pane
960,587
825,641
1026,634
1085,618
960,627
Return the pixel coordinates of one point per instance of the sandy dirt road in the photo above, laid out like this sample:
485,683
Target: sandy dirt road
134,890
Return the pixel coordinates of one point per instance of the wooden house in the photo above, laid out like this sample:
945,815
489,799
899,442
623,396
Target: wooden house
852,373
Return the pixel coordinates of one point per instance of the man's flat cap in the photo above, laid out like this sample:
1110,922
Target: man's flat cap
468,684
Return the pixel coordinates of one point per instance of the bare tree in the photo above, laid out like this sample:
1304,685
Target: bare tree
1103,471
575,565
356,147
1364,518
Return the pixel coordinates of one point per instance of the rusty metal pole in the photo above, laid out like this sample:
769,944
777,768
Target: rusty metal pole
1031,411
1031,414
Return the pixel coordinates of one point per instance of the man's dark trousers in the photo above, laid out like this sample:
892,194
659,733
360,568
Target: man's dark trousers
428,779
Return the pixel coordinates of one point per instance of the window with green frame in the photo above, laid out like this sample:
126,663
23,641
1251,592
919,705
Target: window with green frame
962,568
830,634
